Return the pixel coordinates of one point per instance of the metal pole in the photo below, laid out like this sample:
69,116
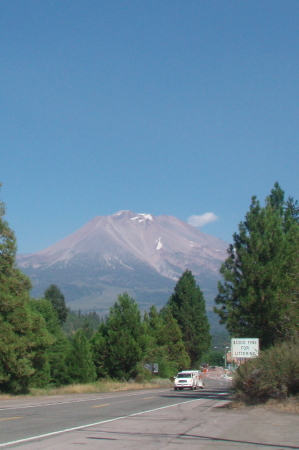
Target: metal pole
225,362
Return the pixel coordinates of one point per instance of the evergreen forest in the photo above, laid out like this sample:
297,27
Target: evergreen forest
44,344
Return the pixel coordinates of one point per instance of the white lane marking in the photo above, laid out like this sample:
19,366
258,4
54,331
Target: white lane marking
53,433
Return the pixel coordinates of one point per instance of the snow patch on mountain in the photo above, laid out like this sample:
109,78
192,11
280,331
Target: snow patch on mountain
123,264
142,217
159,244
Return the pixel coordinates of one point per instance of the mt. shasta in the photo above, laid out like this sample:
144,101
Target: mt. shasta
141,254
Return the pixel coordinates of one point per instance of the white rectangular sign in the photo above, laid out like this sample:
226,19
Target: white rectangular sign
244,348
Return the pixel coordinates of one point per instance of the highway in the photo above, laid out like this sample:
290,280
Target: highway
149,418
29,420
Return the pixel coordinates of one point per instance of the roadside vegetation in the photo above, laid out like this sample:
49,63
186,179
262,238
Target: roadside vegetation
259,298
274,375
95,387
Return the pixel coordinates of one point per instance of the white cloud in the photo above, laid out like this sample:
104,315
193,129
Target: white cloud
204,219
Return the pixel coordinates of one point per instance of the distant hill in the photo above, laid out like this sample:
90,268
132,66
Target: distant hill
141,254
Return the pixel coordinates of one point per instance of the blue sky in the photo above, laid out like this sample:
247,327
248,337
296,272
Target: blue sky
163,106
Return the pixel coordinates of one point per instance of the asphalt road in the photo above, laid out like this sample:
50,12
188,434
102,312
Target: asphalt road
151,418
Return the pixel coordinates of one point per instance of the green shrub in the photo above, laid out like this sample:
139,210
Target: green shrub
273,375
140,374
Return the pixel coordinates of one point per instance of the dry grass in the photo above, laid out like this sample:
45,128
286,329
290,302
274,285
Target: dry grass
5,396
101,386
288,405
235,404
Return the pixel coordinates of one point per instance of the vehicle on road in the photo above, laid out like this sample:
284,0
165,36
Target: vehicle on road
189,379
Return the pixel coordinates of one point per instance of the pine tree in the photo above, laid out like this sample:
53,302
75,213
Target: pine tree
23,335
56,297
120,340
58,352
124,332
99,351
80,362
166,347
187,305
288,292
257,270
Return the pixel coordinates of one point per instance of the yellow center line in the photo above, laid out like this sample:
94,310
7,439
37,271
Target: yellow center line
11,418
100,406
148,398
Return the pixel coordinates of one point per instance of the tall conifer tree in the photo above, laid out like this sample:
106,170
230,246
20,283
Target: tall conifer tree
80,363
23,336
188,307
56,297
257,271
120,340
58,352
166,347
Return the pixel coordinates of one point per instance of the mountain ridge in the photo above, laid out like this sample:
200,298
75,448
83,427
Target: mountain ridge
140,253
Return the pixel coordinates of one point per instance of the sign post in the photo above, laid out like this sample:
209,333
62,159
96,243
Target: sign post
225,357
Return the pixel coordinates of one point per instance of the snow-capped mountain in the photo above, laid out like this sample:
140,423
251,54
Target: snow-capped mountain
138,253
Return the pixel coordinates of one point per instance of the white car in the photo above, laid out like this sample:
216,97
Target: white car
189,379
